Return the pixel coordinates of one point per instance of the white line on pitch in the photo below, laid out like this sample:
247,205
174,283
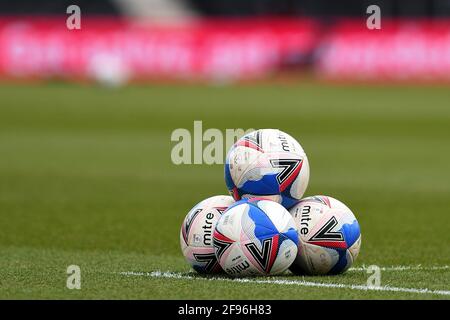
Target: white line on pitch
403,268
174,275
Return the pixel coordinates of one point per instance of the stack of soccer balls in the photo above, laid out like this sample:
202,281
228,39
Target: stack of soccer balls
266,228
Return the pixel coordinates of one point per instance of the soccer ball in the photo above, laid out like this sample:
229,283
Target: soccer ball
329,236
196,234
255,237
267,163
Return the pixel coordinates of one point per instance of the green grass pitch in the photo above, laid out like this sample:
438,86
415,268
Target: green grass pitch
86,179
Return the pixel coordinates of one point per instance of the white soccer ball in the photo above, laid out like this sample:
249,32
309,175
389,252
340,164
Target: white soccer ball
196,234
329,235
267,163
255,237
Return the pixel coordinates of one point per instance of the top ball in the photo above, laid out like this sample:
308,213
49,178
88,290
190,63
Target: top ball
267,163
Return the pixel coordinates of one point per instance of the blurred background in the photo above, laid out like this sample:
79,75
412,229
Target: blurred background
86,118
124,40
